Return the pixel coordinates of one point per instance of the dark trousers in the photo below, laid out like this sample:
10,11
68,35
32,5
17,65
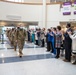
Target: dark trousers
49,46
43,44
36,42
52,47
57,52
28,37
68,50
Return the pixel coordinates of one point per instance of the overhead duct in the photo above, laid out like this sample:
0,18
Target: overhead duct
13,17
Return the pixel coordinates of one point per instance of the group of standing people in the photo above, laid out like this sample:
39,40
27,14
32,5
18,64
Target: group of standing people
56,39
37,36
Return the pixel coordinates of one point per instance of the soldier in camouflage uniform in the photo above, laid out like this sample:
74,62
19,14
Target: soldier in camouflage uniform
11,36
21,35
10,39
14,36
7,31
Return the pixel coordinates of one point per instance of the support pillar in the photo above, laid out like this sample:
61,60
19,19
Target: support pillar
44,14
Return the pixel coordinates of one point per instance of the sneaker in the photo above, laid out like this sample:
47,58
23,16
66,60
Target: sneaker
74,63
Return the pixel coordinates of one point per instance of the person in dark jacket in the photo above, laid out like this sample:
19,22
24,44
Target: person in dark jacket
28,32
54,31
46,35
38,35
68,43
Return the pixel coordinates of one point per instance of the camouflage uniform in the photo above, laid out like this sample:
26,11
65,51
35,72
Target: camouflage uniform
21,34
9,36
7,32
14,36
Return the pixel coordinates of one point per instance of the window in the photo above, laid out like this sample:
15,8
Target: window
59,0
52,0
11,0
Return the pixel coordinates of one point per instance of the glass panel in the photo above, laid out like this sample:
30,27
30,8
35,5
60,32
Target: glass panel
16,0
68,0
11,0
19,0
22,0
52,0
59,0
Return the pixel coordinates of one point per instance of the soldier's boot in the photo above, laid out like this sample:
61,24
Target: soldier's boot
11,43
20,53
15,48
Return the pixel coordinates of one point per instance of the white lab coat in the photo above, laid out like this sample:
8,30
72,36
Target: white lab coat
73,37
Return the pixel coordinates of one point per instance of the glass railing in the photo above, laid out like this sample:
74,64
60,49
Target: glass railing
16,0
38,3
50,1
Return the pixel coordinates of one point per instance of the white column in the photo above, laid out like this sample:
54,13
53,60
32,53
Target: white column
44,14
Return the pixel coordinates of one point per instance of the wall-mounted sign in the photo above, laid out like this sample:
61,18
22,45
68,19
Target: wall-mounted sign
66,8
74,7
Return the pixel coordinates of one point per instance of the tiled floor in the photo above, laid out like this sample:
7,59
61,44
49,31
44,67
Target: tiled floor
35,61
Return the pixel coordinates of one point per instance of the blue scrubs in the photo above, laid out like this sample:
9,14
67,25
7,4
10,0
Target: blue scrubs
33,37
52,40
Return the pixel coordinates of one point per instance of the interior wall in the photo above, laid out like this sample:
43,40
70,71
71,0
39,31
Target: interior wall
53,15
34,13
26,12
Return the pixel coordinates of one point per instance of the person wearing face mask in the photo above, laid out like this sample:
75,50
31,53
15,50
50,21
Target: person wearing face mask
21,35
50,41
68,43
47,40
42,36
54,32
58,41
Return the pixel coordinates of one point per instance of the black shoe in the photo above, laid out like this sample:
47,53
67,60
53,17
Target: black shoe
47,51
51,51
42,46
20,56
57,57
14,49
